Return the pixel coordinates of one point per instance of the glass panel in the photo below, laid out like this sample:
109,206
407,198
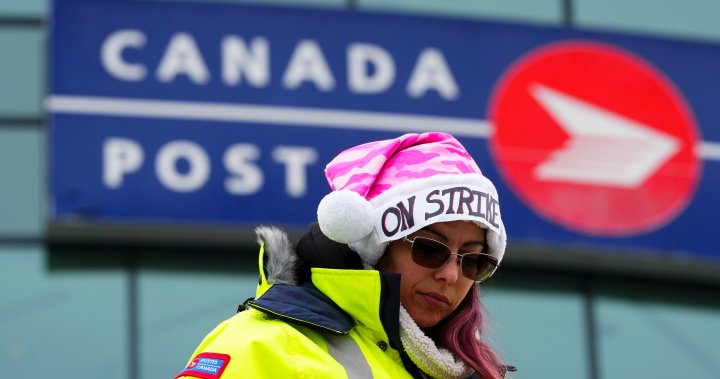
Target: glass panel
183,296
23,8
21,169
658,331
536,322
61,322
684,18
546,11
22,72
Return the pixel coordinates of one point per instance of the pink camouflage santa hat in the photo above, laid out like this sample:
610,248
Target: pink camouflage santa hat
385,190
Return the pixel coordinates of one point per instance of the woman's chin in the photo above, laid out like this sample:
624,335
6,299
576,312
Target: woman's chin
423,318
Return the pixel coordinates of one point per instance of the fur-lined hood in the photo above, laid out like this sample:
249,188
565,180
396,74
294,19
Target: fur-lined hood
288,263
281,263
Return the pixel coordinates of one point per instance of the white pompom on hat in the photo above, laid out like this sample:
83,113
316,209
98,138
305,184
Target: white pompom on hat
385,190
346,216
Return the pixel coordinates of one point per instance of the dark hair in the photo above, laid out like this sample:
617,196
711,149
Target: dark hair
462,334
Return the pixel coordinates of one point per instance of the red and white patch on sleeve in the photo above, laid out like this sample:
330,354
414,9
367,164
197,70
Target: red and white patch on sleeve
206,366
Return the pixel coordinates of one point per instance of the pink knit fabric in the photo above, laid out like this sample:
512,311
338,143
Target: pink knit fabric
372,168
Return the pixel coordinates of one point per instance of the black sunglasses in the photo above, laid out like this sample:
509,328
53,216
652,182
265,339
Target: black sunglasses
430,253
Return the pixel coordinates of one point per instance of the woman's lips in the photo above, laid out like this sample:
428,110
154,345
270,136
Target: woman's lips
435,299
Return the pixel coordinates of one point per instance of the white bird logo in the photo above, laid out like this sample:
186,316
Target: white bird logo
604,148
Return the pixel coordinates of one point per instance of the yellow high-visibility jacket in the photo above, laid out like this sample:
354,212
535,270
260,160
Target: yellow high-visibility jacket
344,324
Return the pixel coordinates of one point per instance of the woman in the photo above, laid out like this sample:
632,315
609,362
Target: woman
384,285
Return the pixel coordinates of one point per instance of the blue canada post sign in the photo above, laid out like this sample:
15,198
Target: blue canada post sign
221,114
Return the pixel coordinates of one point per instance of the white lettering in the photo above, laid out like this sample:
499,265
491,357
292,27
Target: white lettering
308,64
363,56
370,68
182,57
432,72
167,170
111,55
185,166
248,178
202,367
121,156
253,62
295,159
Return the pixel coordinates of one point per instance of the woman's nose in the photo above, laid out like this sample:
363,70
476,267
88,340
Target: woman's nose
450,271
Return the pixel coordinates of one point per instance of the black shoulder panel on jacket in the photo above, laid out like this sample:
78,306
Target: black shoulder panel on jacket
304,305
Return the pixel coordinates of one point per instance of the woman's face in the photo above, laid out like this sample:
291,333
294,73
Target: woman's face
430,295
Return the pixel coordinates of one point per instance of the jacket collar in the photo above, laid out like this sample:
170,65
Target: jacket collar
335,300
304,305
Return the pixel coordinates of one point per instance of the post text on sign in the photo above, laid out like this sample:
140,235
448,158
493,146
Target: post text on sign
123,157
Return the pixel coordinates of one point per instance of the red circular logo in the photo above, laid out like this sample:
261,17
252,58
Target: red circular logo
595,139
193,363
